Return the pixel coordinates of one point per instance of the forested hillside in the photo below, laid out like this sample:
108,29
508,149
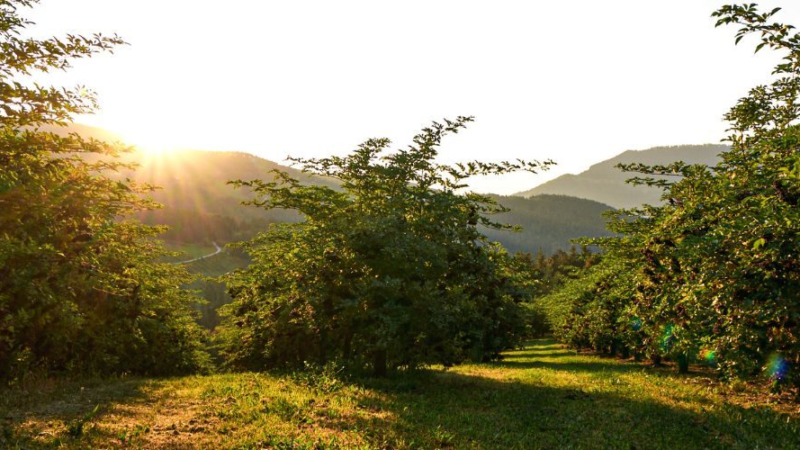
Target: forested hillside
548,222
200,206
604,182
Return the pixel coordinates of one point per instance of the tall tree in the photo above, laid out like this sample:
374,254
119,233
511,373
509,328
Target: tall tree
79,288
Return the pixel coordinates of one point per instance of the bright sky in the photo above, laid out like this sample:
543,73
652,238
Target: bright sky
577,81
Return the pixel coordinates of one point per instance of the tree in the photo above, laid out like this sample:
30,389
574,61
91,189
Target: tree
715,268
79,288
391,271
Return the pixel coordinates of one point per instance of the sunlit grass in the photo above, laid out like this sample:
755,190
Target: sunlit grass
542,396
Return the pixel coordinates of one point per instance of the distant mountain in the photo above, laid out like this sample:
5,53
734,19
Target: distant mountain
195,182
199,205
604,183
548,222
197,179
85,131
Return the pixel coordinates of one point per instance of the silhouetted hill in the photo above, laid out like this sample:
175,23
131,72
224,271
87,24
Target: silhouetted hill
85,131
604,183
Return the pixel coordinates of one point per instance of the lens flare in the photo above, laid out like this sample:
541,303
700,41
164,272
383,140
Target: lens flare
709,356
777,367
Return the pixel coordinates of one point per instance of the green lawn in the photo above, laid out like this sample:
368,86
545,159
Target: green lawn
542,396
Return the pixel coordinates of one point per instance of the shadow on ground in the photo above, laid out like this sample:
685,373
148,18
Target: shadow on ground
62,413
452,409
508,404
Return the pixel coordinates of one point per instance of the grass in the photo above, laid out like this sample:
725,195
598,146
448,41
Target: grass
540,397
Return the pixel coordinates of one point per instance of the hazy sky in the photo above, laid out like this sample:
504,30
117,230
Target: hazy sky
575,81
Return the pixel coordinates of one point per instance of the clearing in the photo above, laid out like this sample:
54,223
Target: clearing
540,396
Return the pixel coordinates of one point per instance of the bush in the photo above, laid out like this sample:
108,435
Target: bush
389,272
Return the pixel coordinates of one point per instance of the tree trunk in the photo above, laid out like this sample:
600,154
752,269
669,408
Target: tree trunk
379,363
348,345
683,363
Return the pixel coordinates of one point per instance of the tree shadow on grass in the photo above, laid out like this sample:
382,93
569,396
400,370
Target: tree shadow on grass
441,409
548,354
578,366
540,354
62,413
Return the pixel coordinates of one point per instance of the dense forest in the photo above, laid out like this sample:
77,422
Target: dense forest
360,296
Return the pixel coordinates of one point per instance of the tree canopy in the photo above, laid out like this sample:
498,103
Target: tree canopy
391,271
713,274
79,288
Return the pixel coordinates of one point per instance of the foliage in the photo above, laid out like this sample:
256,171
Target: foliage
716,269
550,274
553,271
78,287
591,311
390,271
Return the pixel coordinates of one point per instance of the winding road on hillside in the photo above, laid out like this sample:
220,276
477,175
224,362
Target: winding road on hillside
219,250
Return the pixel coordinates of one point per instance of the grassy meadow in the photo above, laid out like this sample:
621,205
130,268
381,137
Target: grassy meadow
542,396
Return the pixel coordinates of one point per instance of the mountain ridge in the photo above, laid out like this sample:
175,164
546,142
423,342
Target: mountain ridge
199,205
604,183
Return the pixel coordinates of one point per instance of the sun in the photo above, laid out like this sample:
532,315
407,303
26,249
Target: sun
151,142
151,150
